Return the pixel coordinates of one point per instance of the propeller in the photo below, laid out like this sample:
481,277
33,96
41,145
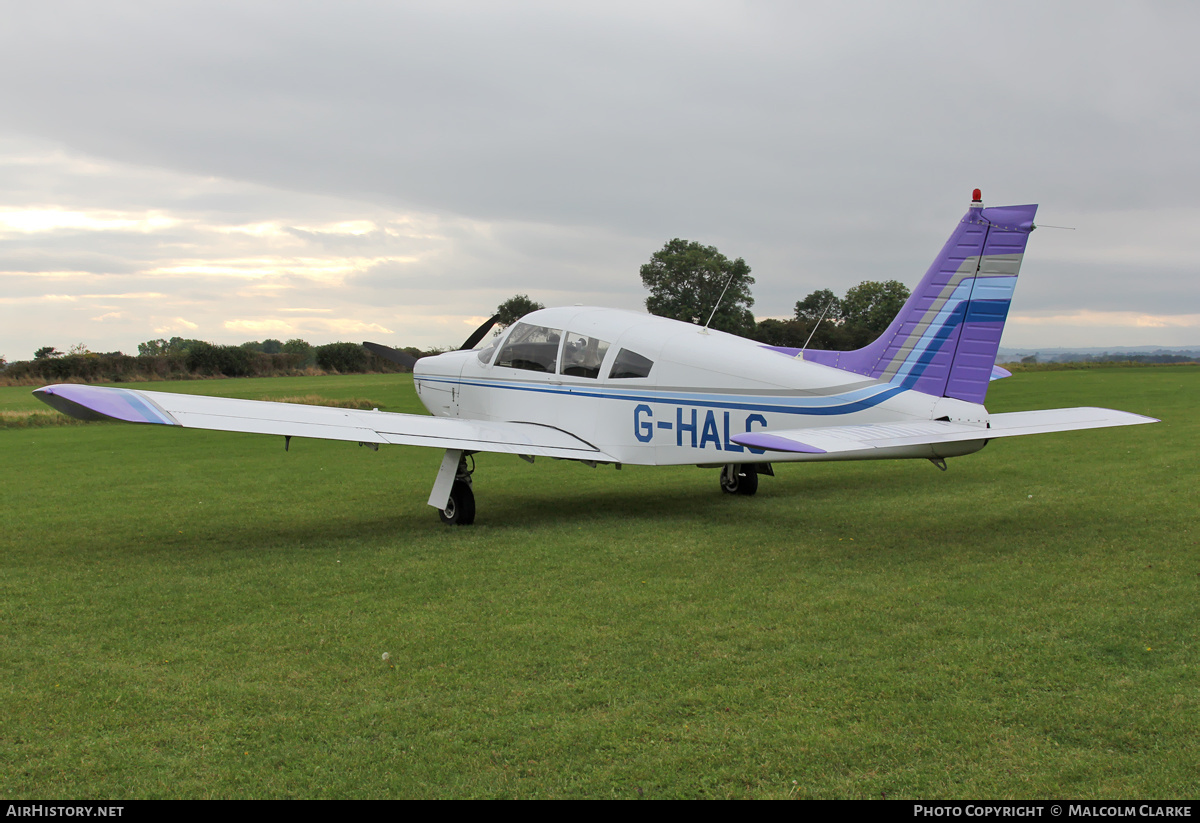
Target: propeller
401,358
479,333
407,361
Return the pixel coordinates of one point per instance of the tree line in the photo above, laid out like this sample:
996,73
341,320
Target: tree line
181,358
687,281
692,282
695,283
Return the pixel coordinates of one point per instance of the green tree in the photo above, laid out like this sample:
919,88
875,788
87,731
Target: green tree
820,303
789,333
208,358
46,352
152,348
796,333
302,348
513,309
268,346
686,279
853,321
823,307
869,308
342,357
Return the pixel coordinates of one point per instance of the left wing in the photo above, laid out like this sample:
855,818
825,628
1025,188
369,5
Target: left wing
839,439
192,411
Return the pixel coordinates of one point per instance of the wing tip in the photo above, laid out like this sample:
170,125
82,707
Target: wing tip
102,403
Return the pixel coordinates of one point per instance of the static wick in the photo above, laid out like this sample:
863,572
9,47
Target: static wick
1044,226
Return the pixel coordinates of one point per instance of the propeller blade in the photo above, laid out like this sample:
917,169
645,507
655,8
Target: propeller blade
400,358
479,333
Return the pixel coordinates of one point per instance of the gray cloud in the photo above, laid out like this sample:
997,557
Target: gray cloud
550,149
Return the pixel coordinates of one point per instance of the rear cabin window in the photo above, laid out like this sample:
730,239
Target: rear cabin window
630,364
534,348
582,355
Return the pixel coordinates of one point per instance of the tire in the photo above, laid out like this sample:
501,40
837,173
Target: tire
460,508
739,478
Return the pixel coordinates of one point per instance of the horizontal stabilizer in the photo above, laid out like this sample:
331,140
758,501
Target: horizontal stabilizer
839,439
192,411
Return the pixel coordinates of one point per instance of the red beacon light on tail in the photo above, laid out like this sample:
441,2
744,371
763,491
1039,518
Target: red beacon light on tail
976,198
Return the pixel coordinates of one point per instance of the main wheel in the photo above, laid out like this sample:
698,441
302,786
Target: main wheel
460,508
739,478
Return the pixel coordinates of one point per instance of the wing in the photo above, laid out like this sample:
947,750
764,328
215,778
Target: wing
192,411
847,439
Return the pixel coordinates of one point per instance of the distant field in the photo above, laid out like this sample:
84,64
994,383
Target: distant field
199,614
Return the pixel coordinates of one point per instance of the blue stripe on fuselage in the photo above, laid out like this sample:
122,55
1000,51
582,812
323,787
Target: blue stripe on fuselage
853,401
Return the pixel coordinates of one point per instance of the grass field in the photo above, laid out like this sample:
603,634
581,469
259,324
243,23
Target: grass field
197,614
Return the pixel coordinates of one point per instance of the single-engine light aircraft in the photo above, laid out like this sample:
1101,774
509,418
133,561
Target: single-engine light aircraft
604,386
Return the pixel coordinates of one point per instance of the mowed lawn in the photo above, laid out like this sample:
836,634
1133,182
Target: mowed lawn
197,614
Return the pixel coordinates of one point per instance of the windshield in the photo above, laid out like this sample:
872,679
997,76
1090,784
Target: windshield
534,348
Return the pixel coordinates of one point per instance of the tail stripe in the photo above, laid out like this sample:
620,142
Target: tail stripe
938,315
963,308
944,340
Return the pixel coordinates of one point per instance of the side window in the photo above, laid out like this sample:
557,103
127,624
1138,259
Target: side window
630,364
485,354
582,355
534,348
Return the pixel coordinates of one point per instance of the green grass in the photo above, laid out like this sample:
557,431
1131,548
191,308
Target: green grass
20,409
195,614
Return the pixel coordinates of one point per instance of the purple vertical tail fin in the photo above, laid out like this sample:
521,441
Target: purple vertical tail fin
944,341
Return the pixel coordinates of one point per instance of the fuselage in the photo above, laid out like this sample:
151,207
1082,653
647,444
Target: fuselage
652,391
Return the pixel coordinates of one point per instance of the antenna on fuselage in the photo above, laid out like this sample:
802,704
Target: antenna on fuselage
719,299
800,354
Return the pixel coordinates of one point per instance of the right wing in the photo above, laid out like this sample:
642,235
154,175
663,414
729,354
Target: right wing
192,411
864,438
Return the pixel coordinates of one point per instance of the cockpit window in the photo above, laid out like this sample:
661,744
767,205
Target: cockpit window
630,364
485,354
531,347
582,355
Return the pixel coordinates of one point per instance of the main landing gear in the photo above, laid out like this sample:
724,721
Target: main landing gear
460,507
459,503
739,478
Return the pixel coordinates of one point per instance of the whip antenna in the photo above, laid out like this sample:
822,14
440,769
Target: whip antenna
800,354
719,299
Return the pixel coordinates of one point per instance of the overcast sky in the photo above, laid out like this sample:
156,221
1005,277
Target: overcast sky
394,170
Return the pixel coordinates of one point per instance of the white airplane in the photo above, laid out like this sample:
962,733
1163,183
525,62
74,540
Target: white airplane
604,386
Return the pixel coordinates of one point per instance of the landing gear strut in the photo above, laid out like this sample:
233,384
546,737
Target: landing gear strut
739,478
458,508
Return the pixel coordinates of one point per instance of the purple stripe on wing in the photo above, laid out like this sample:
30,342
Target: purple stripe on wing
772,442
101,403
